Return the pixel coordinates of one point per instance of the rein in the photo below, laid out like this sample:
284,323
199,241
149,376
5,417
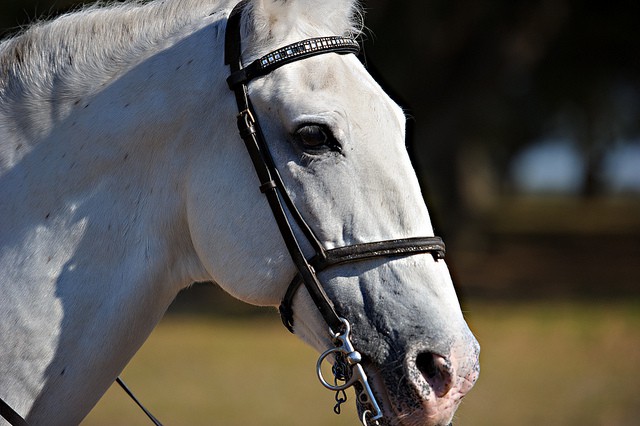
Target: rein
347,368
15,419
10,415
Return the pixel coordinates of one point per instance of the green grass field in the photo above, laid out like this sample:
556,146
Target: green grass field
542,364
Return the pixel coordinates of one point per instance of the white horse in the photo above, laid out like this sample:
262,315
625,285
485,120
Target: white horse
123,180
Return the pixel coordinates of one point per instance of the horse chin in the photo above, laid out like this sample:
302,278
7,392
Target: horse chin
405,413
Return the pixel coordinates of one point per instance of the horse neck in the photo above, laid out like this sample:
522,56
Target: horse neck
94,244
112,160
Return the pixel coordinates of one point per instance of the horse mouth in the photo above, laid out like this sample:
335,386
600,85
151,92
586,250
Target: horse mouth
399,412
380,393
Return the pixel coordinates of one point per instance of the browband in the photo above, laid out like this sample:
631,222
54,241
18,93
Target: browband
271,61
291,53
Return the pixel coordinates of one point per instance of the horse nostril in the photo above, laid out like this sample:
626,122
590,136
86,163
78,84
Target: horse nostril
437,371
426,364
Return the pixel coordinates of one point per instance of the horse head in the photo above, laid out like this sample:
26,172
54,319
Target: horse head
337,142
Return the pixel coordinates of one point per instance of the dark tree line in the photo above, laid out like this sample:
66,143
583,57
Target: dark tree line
486,78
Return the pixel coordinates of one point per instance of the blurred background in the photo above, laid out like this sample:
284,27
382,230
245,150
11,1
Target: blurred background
524,126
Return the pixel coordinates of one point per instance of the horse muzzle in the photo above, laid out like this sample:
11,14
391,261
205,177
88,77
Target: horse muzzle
428,388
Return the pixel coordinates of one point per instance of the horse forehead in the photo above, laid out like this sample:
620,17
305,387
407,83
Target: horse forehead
334,81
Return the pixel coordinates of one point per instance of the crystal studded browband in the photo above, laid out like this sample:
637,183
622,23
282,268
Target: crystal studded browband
292,53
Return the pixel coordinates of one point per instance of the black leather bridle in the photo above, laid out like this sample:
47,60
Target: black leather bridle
271,183
273,187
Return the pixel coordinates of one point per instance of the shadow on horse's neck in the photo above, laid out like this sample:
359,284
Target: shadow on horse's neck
102,236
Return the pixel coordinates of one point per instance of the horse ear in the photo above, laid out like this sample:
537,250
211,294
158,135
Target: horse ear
274,20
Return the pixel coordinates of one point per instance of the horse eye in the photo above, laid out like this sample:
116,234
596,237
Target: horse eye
316,138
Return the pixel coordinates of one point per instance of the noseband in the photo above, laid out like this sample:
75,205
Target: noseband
347,367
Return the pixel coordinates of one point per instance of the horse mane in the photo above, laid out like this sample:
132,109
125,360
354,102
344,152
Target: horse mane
92,45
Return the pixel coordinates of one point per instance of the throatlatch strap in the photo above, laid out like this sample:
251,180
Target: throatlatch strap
233,41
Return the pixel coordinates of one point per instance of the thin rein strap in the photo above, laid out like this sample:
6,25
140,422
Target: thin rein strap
10,415
151,417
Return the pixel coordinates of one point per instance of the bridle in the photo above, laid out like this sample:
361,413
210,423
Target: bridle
347,368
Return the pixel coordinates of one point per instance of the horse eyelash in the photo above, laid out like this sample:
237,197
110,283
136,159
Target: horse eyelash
308,159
